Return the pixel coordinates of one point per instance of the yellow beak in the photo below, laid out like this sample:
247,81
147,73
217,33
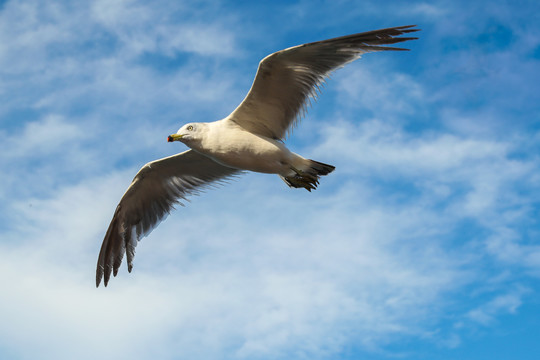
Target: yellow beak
173,137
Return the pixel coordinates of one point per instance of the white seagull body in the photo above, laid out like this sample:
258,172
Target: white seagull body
250,138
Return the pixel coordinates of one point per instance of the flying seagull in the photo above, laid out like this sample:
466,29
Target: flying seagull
250,138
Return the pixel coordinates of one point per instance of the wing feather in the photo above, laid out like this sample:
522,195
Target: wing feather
156,188
286,80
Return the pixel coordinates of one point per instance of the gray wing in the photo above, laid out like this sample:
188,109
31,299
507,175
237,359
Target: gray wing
286,79
156,188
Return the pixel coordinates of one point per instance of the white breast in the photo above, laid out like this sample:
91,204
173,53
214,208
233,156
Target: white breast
232,146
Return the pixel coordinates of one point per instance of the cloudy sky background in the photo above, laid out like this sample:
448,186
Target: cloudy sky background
423,244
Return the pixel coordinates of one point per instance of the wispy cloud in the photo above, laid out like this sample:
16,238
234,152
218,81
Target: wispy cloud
280,291
501,304
426,229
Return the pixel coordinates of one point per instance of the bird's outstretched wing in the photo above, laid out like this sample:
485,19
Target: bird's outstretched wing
286,79
156,188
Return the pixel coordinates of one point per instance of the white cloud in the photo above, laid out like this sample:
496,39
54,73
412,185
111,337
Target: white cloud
134,24
429,11
507,245
374,88
42,138
64,57
374,256
212,286
501,304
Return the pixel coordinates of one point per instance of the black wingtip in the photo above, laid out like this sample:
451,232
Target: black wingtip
381,39
107,277
407,29
98,282
99,275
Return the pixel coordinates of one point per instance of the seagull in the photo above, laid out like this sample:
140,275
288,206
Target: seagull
251,138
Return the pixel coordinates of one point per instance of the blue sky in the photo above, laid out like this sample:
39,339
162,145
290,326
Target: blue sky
423,244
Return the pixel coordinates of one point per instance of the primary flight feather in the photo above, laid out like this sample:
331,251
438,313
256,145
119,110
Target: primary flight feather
250,138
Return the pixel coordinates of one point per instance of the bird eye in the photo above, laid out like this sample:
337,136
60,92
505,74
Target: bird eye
190,127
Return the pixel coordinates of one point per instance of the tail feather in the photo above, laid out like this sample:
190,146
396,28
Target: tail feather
308,176
321,168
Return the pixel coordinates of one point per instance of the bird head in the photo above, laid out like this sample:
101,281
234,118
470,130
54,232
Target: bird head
186,133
